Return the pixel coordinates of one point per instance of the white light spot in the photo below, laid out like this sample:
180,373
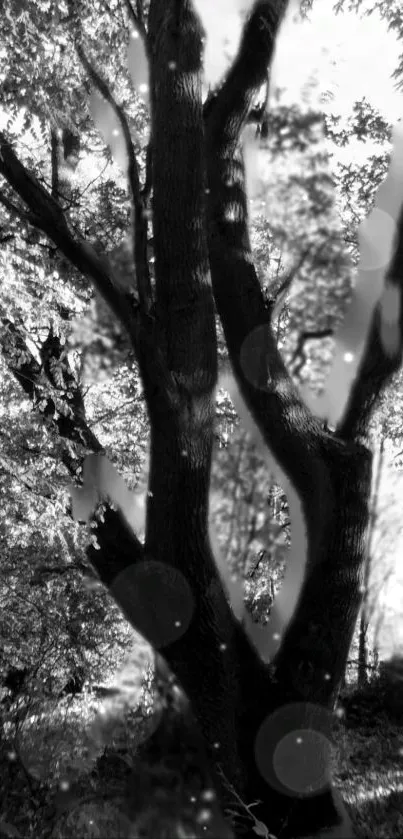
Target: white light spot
134,33
116,132
171,65
348,357
143,88
208,795
223,647
204,816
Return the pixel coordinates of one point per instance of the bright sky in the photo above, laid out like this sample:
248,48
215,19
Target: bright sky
353,57
350,57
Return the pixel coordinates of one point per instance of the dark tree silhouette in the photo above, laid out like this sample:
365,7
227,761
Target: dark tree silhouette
248,713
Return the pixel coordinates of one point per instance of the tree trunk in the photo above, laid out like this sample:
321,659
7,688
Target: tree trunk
263,728
231,691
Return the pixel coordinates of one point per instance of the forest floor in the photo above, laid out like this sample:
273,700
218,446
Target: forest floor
76,790
370,776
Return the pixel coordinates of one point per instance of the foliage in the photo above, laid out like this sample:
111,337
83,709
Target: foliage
56,619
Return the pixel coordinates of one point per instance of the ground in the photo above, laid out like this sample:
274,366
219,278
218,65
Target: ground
135,775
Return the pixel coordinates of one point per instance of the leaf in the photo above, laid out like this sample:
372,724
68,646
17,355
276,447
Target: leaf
137,63
109,126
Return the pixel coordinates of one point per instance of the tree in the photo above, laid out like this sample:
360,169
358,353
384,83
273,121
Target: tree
255,718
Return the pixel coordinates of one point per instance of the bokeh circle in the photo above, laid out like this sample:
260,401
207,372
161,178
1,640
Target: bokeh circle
157,600
293,749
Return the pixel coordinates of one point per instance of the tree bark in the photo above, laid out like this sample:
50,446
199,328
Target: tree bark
201,241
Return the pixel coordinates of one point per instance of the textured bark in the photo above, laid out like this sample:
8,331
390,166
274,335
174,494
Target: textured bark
331,477
234,693
182,412
201,243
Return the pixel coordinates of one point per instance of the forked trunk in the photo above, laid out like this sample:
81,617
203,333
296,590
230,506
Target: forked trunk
263,729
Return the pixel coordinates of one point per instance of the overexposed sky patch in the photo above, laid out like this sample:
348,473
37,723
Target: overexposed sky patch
222,21
350,56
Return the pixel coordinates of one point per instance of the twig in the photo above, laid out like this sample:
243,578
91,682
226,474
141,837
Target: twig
24,215
140,226
258,827
303,338
277,300
137,18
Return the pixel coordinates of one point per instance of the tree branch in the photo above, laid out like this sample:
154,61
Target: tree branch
307,460
8,237
229,109
47,215
277,300
289,429
119,545
299,352
17,211
9,469
137,18
383,353
140,220
36,382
